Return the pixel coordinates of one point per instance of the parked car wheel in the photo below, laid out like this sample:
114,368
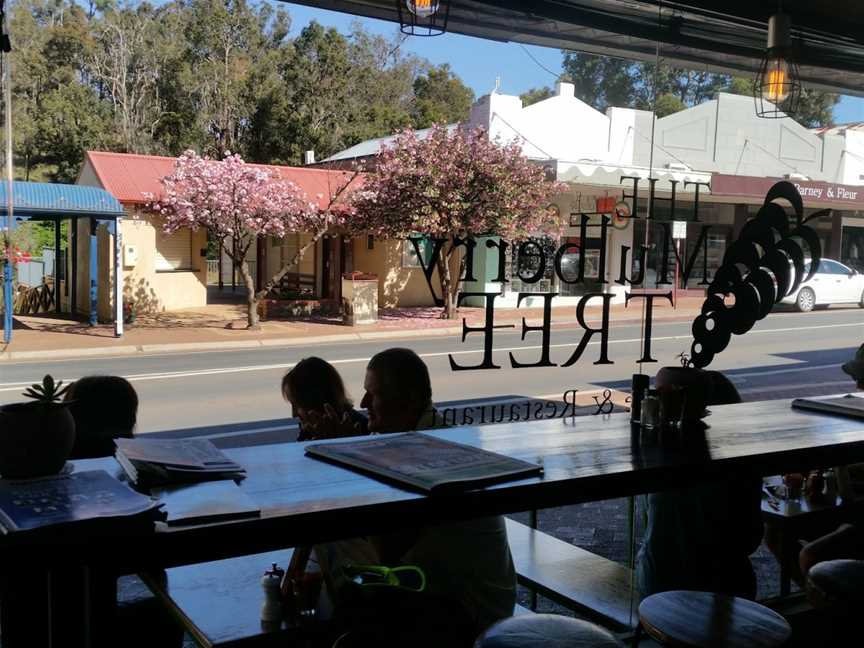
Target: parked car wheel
861,302
806,300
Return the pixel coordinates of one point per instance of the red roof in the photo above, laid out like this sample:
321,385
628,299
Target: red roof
128,176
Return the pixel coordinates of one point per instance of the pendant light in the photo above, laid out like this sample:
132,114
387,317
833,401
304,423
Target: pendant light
777,89
423,17
422,8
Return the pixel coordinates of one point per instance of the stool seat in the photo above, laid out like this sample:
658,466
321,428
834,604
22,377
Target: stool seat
546,631
708,620
838,580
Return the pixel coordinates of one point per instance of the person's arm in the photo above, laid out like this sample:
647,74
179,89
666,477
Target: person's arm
391,547
846,542
331,424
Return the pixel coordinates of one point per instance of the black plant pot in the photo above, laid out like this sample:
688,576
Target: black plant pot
35,439
694,384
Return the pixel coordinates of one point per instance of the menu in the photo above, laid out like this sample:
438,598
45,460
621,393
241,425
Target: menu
424,462
45,501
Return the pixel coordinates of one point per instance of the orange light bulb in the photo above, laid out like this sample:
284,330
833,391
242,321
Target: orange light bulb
422,8
776,83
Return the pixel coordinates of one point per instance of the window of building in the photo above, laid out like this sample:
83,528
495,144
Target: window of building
174,251
852,247
409,253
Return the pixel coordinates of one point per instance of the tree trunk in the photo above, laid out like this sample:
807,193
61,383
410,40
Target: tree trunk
448,294
251,298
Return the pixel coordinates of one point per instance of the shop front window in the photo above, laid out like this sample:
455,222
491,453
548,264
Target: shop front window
852,247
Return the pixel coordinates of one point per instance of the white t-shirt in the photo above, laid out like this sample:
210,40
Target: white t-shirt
468,561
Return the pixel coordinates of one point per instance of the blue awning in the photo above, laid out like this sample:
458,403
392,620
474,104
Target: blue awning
48,200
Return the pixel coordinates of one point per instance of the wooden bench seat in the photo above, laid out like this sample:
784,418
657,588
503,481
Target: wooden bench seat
579,580
219,603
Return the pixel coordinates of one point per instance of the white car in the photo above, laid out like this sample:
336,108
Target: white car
833,283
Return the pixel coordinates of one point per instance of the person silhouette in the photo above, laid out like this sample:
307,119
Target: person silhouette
700,538
104,408
471,580
320,402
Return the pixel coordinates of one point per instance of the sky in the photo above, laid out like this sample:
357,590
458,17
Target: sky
480,62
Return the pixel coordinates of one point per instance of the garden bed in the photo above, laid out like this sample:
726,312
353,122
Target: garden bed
293,308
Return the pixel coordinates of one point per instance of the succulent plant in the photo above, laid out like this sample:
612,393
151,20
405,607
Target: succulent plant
47,392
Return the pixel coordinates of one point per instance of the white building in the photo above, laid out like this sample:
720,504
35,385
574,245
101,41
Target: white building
720,148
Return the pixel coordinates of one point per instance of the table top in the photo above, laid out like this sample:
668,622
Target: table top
590,458
219,602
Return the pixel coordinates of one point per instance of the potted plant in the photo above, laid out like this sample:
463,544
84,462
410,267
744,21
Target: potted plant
36,437
128,311
691,381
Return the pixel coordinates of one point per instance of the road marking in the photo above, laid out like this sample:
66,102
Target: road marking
773,372
4,387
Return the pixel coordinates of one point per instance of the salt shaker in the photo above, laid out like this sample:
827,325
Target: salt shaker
271,582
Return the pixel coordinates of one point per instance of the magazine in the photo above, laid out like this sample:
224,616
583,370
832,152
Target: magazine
59,499
154,462
424,462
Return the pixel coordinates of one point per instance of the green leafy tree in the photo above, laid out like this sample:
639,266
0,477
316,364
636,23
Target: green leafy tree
536,94
815,110
73,121
604,81
226,39
668,104
440,97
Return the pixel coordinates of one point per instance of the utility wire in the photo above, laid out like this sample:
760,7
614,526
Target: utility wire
557,75
515,130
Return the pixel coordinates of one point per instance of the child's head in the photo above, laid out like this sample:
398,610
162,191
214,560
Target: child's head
721,390
311,384
104,408
855,368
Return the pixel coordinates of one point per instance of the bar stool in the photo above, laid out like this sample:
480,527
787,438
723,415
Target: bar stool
706,619
546,631
836,581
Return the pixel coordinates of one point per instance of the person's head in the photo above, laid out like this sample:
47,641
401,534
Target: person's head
398,390
311,384
104,408
855,368
721,391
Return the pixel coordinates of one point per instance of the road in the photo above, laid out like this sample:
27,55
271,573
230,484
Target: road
785,354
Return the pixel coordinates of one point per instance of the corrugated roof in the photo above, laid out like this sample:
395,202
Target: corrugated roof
129,177
839,129
44,199
373,146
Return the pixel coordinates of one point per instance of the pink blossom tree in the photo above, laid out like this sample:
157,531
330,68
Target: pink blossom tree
238,203
454,185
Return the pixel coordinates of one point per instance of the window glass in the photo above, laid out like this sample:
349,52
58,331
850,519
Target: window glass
409,254
173,251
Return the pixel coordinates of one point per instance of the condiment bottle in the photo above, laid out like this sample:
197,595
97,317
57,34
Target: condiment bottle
637,393
271,607
649,416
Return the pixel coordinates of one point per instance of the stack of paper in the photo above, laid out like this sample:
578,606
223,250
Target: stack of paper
154,462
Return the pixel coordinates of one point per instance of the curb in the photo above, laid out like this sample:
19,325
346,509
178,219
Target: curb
228,345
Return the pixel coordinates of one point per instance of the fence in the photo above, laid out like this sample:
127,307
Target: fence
213,273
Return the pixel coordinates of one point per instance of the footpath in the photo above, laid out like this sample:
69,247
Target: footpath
222,327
